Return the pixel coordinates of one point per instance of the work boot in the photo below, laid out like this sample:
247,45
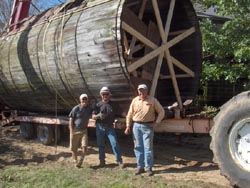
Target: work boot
121,165
139,171
79,164
101,164
149,172
74,162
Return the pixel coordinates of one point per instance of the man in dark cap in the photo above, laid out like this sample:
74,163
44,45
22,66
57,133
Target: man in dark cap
104,114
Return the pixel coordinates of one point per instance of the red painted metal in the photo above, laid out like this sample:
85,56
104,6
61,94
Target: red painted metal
20,10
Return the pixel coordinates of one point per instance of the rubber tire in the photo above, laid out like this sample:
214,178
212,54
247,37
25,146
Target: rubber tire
45,134
57,134
27,130
235,110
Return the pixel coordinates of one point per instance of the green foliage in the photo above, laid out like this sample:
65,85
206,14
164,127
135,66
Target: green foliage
226,47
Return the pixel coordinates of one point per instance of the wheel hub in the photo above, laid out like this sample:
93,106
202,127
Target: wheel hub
239,143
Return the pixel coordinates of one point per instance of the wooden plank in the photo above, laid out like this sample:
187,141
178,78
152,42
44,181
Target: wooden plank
130,18
167,53
140,16
125,43
177,76
182,36
169,18
156,75
147,57
150,44
153,35
138,35
183,67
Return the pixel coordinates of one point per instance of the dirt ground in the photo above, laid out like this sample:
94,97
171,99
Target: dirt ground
177,158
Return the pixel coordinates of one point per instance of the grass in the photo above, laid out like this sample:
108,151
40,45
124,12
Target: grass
58,175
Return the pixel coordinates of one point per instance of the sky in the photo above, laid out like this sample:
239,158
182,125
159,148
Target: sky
52,3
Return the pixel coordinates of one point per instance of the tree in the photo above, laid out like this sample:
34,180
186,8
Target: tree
36,6
226,48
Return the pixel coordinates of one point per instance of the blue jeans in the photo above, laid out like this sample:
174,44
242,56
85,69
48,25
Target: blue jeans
100,135
143,136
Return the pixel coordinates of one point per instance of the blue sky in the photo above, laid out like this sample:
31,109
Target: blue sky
52,3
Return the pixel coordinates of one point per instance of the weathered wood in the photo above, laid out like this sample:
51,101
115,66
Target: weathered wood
147,57
169,59
53,58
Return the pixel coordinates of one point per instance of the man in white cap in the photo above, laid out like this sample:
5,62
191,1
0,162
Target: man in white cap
78,122
104,114
142,115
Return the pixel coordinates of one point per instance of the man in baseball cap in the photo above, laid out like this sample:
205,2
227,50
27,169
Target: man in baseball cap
83,96
78,122
145,112
104,114
143,86
105,90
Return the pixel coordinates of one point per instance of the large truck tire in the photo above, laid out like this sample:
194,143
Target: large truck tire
45,134
27,130
231,140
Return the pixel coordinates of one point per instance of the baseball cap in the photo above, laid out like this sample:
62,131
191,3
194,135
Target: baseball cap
142,86
105,90
83,96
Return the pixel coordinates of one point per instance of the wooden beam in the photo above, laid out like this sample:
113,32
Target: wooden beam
147,57
133,41
169,18
125,43
138,35
162,77
149,43
183,67
160,58
156,74
176,32
129,17
167,53
135,49
182,36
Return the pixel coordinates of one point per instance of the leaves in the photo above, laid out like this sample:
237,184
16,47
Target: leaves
226,47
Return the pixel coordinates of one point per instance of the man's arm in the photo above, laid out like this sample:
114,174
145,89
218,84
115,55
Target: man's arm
160,111
70,125
129,118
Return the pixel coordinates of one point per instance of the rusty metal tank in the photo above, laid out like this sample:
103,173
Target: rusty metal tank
79,47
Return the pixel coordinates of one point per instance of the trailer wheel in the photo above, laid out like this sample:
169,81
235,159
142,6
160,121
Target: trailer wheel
45,134
231,140
27,130
57,134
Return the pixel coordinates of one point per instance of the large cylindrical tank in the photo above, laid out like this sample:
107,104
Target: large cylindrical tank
79,47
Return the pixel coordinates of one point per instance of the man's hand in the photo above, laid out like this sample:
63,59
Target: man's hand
115,123
94,117
127,131
154,125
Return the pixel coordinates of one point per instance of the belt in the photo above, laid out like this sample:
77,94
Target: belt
141,122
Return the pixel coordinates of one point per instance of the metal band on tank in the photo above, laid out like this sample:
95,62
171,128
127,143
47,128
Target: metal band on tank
67,85
77,57
46,65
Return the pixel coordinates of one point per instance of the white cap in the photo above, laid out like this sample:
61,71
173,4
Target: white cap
142,86
105,90
83,96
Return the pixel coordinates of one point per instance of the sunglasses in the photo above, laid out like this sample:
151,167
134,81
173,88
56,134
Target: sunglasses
84,99
105,94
